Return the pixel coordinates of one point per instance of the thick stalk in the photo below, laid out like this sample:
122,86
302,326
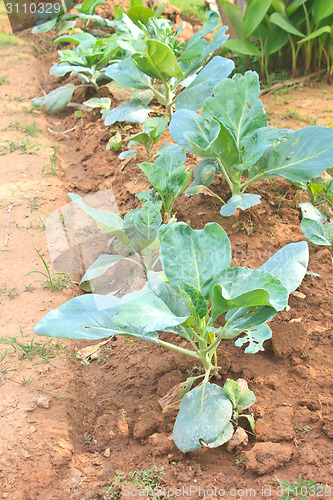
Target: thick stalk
179,349
227,177
294,56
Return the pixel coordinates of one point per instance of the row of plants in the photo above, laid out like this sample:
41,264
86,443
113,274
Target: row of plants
191,291
300,31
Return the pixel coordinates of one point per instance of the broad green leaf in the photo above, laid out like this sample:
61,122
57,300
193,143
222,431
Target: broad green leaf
89,6
276,39
158,61
206,138
99,267
147,220
204,414
293,7
254,145
285,24
127,154
224,332
242,47
108,222
204,84
61,69
235,16
44,26
140,14
237,106
315,34
134,111
289,264
244,317
242,201
321,9
194,256
317,232
75,38
171,297
146,311
254,15
127,74
98,102
56,100
304,155
311,212
233,390
222,438
242,287
88,317
255,336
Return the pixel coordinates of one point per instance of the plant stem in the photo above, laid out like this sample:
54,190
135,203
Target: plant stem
179,349
226,175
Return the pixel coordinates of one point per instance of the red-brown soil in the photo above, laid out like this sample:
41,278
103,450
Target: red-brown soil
105,418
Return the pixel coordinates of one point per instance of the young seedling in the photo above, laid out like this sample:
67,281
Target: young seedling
152,129
147,481
196,287
302,490
169,178
56,281
29,128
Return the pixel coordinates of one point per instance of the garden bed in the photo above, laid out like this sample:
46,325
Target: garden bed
109,419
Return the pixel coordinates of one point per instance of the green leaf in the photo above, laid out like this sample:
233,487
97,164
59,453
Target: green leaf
88,317
134,111
63,68
89,6
235,16
254,15
222,438
311,212
204,83
99,267
316,231
44,27
253,146
140,14
256,336
242,47
204,414
242,201
224,332
315,34
194,300
304,155
321,9
237,106
242,287
146,311
171,297
276,39
289,264
56,100
194,256
285,24
98,102
158,61
75,38
127,74
107,221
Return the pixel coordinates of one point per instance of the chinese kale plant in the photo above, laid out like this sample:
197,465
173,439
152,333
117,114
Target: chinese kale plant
189,298
168,176
175,74
233,138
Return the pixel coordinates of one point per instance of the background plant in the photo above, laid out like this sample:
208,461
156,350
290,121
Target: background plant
233,138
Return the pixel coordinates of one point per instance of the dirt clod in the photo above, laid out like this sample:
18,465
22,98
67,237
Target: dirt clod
146,426
267,457
276,426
